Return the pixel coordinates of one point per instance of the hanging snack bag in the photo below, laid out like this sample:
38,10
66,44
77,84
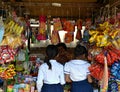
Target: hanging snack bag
79,27
6,54
69,26
57,26
55,37
42,30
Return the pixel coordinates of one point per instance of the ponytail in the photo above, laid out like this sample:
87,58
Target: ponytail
47,61
51,52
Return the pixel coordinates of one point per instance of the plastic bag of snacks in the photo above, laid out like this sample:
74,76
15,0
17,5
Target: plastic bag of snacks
6,54
115,70
42,30
97,71
7,72
112,85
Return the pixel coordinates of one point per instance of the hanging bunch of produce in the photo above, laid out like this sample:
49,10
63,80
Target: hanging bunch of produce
42,29
57,27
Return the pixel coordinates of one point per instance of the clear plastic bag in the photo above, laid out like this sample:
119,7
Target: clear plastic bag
1,30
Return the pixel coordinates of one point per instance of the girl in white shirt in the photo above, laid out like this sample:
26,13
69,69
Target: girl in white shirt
51,75
76,71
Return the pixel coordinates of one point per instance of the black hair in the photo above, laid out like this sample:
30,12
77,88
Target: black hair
80,50
51,52
62,45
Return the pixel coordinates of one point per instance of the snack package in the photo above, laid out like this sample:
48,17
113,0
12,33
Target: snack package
57,24
6,54
69,26
79,27
42,30
69,37
55,37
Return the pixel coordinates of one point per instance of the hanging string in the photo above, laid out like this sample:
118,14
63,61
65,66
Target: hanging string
42,11
71,13
56,12
108,7
61,13
29,5
2,11
79,12
101,11
92,15
115,12
67,14
20,11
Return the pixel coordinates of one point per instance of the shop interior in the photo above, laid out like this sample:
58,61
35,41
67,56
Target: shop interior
28,26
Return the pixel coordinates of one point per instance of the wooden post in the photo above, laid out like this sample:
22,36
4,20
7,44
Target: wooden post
5,85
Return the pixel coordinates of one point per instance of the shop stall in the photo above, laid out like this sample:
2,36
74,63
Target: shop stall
23,41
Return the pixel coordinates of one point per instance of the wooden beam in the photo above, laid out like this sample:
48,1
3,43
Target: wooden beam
62,1
50,4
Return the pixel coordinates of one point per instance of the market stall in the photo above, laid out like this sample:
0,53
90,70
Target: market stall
22,47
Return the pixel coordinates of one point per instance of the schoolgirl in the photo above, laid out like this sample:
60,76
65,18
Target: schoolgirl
76,71
51,75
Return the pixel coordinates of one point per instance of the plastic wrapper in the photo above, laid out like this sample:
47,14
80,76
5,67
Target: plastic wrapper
69,37
112,85
97,70
57,24
115,70
112,55
7,72
57,27
79,27
55,37
88,23
6,54
69,26
42,30
1,30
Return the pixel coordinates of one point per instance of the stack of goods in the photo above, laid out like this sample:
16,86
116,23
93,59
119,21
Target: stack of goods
12,39
106,37
6,54
12,35
7,72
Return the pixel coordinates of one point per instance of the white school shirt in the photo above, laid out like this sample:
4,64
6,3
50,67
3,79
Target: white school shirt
78,69
54,76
